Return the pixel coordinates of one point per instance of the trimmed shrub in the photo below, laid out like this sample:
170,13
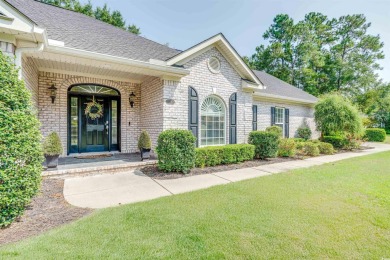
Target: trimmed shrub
311,149
52,145
227,154
298,140
144,140
287,148
375,134
266,143
275,129
337,141
304,132
21,154
325,148
176,151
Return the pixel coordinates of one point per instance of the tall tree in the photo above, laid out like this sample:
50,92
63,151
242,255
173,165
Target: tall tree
321,55
101,13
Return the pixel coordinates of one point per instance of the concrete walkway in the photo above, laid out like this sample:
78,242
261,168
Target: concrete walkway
101,191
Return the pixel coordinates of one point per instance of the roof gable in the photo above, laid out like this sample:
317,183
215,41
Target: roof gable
226,49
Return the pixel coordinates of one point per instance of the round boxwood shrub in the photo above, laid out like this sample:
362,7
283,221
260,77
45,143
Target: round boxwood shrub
311,149
20,145
287,148
275,129
375,134
176,151
304,132
325,148
144,141
52,145
266,143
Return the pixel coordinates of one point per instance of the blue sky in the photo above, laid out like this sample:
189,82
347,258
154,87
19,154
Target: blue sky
183,23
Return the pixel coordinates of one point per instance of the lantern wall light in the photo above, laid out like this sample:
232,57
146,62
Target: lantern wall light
131,99
53,93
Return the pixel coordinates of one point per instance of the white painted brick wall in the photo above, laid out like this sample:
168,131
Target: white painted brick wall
225,83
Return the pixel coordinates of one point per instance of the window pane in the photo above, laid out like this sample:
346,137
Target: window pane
93,89
74,121
114,122
212,122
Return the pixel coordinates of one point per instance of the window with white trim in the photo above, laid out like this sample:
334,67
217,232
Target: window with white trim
279,118
279,115
213,122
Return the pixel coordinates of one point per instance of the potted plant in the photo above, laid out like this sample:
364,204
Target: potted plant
52,149
144,145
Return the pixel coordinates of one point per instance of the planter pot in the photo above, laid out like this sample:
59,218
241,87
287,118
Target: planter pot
145,154
52,161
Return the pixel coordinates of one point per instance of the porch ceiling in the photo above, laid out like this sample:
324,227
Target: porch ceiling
59,63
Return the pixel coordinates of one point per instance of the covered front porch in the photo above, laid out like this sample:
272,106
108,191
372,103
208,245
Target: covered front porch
126,99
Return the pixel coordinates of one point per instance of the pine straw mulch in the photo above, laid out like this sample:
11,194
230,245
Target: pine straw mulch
46,211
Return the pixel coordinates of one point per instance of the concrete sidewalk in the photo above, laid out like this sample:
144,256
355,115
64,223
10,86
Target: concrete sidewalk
101,191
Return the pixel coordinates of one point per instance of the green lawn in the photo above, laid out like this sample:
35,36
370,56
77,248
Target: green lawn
339,210
387,141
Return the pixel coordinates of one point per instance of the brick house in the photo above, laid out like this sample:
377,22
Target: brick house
69,60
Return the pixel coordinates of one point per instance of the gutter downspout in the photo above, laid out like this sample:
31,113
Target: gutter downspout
19,53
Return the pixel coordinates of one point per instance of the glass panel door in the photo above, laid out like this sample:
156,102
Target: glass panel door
74,124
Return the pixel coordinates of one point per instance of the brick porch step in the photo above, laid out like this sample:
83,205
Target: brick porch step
83,169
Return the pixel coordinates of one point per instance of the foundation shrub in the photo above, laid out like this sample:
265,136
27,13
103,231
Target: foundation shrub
176,151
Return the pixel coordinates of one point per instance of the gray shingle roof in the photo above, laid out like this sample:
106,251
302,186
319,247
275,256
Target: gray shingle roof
86,33
275,86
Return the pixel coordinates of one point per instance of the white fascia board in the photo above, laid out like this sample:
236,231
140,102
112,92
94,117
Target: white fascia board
55,43
259,95
210,42
251,85
109,58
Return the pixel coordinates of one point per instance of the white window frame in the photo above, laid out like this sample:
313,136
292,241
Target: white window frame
224,122
283,119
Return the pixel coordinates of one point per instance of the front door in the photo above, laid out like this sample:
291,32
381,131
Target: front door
93,120
94,131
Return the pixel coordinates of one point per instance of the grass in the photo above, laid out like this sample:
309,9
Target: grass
339,210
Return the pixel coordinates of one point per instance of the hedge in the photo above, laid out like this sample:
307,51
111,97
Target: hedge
287,148
325,148
275,129
337,141
21,154
311,149
176,151
227,154
375,134
266,143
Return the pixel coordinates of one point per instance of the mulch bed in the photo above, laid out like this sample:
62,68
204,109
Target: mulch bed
153,172
47,210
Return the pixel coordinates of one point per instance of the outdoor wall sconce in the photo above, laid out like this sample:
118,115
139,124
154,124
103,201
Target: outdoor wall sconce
53,93
131,99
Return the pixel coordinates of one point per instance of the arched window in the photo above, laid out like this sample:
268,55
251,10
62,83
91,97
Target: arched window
94,89
213,122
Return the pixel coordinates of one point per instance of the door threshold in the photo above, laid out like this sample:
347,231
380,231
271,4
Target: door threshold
92,154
